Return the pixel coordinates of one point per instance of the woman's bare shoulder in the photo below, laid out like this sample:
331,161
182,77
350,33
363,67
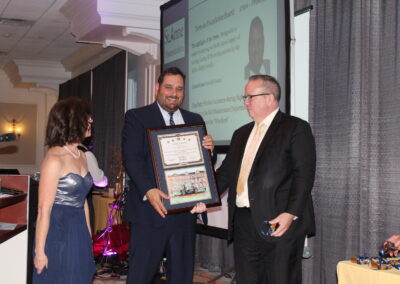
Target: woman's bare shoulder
53,158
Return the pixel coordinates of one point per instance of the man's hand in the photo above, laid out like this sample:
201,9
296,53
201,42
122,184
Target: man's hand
396,240
284,220
208,142
198,208
155,197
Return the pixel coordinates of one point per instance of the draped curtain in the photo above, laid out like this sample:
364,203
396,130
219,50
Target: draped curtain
214,254
355,116
76,87
108,103
354,113
108,107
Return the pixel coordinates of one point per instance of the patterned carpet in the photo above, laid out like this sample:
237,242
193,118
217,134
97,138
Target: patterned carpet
109,275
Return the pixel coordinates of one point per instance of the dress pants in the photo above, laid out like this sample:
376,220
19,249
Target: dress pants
148,245
259,261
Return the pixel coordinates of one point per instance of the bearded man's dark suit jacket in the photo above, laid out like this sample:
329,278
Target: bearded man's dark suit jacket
281,177
141,214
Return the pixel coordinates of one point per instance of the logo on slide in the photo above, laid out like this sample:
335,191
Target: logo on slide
174,41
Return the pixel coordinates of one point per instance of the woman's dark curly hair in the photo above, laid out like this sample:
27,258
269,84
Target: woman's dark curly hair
68,122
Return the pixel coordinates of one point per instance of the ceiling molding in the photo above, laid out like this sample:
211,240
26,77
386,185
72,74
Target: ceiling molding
82,15
87,58
36,73
137,48
132,25
11,70
152,35
143,14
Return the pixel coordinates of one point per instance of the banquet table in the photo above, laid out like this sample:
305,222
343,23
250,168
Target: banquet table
352,273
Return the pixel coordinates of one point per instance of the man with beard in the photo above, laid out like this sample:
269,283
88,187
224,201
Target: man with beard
153,231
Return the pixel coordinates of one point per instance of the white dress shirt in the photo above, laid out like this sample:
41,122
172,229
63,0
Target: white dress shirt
177,117
242,200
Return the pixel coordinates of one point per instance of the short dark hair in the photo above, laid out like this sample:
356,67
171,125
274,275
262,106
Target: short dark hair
170,71
276,90
68,122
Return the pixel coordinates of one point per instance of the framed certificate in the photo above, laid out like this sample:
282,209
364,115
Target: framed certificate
183,167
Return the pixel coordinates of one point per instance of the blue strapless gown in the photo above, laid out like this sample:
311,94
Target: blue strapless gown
68,244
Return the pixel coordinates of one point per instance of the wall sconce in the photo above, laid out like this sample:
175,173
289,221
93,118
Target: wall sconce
15,129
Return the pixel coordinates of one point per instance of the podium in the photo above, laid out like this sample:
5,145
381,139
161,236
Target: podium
14,242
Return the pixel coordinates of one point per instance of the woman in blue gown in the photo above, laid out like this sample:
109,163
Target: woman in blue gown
63,245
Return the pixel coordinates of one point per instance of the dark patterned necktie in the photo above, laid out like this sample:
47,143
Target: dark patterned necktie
171,119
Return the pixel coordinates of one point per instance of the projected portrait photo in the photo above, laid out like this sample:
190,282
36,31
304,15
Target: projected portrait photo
257,64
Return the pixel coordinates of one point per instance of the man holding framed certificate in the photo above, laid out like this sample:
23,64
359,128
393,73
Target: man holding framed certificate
183,167
154,232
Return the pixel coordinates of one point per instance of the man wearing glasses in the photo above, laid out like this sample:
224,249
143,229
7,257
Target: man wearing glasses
269,170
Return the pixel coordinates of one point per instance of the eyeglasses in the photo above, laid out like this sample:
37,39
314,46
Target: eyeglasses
250,97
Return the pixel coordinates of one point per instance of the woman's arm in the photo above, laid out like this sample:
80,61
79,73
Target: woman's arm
49,175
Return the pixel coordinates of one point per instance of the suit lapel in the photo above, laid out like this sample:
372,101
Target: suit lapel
157,119
245,138
185,116
268,137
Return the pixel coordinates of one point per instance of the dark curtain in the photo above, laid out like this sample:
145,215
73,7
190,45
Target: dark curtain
108,104
76,87
214,254
354,101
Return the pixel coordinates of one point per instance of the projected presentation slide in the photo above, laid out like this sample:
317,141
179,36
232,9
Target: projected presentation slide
219,44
